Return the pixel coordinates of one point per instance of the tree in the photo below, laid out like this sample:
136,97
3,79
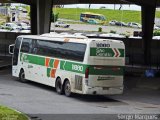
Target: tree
54,17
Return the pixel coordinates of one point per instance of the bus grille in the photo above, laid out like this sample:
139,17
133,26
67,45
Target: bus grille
78,82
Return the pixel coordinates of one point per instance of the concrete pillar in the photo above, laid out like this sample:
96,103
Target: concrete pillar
148,16
44,11
33,15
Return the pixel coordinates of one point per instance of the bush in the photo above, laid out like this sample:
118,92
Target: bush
8,19
99,29
156,33
54,17
112,31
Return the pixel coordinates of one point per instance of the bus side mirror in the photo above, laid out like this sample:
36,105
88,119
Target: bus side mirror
11,49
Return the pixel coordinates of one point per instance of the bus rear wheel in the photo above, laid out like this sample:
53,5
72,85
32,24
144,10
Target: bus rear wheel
22,76
67,88
58,85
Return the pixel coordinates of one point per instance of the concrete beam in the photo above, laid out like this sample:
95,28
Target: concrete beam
148,16
63,2
143,2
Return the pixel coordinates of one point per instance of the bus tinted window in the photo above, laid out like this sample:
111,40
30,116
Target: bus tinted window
42,48
26,45
82,15
70,51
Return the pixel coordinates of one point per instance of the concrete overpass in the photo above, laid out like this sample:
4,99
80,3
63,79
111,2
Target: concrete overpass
41,13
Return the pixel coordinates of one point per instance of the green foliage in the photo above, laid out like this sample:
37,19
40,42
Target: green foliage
119,15
54,17
8,18
113,31
156,33
9,114
99,29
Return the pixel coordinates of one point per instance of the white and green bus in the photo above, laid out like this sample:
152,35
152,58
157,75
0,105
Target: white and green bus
69,63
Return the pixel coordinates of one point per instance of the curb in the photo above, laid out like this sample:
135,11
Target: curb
21,113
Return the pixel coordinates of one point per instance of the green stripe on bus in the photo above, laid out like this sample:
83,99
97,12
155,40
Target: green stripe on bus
51,63
73,67
121,52
105,52
48,72
101,52
38,60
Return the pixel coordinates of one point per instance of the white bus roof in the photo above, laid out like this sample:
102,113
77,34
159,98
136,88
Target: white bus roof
67,38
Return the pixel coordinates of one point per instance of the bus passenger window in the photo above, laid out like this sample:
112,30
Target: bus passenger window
26,46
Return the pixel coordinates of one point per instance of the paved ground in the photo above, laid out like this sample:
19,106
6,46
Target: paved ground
43,102
84,27
5,61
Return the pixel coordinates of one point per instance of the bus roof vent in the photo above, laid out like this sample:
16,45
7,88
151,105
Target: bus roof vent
63,35
51,34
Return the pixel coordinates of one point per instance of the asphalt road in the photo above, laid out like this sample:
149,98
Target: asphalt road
88,27
43,103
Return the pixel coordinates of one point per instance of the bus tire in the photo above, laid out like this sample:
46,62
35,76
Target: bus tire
22,76
58,86
67,88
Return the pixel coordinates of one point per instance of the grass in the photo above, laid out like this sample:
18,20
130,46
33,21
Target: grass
2,16
9,114
2,19
119,15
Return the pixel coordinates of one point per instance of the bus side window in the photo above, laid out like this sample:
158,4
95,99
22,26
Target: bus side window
26,45
34,51
41,48
34,47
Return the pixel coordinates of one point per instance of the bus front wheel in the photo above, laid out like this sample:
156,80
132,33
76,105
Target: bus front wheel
22,76
67,88
58,86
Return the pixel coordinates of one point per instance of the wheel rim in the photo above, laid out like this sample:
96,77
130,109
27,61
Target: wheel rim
58,86
22,76
67,88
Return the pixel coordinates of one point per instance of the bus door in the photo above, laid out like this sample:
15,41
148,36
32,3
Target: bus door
27,58
15,59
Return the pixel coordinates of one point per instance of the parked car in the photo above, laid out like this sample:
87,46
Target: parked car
134,25
118,23
20,8
24,10
26,21
156,27
24,26
113,22
10,26
61,24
